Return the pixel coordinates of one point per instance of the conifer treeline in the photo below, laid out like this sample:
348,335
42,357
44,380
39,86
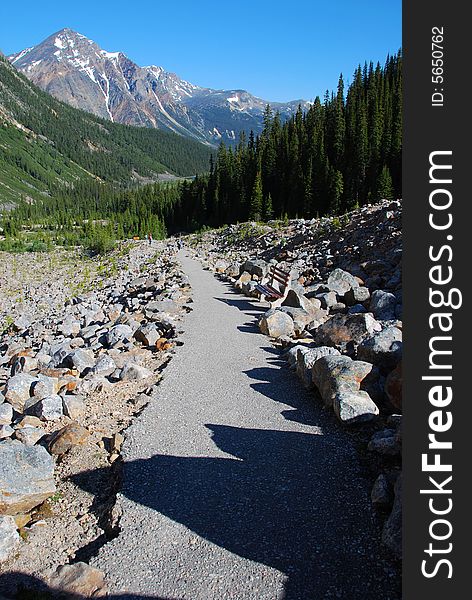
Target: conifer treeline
341,153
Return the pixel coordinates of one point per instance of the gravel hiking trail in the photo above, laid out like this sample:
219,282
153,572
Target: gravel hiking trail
236,484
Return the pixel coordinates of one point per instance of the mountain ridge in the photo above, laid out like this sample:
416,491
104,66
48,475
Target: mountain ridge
48,147
76,70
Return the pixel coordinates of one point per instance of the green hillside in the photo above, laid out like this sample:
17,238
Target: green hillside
47,147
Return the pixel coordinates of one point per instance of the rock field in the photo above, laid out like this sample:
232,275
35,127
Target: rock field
82,345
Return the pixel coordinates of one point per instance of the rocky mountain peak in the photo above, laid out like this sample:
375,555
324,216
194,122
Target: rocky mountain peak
77,71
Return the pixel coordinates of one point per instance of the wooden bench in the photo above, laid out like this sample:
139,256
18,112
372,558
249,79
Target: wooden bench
274,288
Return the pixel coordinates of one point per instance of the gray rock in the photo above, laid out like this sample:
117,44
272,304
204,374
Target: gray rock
48,409
73,406
382,492
354,407
341,281
333,374
6,414
307,359
29,435
392,531
18,390
385,442
21,323
345,332
89,332
296,299
9,537
357,309
276,324
383,349
118,334
327,299
26,477
148,334
356,295
45,386
382,304
165,306
80,360
255,267
105,366
69,327
134,372
6,431
292,355
59,352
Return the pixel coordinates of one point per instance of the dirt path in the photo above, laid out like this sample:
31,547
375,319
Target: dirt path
236,484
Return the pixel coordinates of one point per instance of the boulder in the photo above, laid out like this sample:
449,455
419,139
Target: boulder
66,438
9,537
383,348
134,372
327,299
45,386
21,323
333,374
26,477
232,270
80,360
105,366
163,306
382,305
345,332
341,281
48,409
78,579
6,431
296,299
6,414
29,435
392,531
276,324
245,277
385,442
255,267
382,492
69,327
118,334
73,406
354,407
292,355
356,295
59,352
18,390
306,360
147,334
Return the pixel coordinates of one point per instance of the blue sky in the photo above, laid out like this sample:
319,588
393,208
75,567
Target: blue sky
278,50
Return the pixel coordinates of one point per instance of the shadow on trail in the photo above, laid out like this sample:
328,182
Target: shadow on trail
288,500
251,308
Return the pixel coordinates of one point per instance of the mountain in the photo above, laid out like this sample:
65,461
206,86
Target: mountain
47,146
77,71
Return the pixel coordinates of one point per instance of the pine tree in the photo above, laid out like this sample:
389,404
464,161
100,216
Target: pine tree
267,208
256,204
384,185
